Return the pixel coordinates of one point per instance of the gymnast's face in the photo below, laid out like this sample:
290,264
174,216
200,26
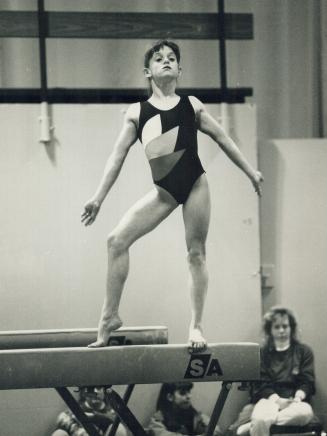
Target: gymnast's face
281,329
163,64
181,398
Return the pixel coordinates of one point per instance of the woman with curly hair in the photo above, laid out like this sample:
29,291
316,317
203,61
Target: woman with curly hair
287,379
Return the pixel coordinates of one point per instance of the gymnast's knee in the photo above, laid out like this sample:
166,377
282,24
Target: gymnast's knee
116,245
196,256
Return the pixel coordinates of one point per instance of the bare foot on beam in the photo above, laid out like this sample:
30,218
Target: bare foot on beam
106,327
196,341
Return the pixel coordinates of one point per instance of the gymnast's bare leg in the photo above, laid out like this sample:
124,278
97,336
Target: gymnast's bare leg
143,217
196,214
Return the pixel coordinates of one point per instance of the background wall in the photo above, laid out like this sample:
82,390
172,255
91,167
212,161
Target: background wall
286,64
295,240
53,269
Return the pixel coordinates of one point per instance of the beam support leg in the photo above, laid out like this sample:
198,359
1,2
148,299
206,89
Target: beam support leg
77,411
111,431
224,391
124,413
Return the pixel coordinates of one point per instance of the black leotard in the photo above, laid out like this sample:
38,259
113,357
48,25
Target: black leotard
170,141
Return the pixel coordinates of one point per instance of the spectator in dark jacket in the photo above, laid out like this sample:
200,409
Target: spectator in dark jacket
287,380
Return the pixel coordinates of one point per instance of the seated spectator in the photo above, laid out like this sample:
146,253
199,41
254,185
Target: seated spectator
175,414
287,381
92,401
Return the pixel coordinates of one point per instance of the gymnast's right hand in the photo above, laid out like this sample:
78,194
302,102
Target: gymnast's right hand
91,210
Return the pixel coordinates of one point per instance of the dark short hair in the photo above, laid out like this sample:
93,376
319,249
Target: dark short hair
170,388
157,46
270,317
84,391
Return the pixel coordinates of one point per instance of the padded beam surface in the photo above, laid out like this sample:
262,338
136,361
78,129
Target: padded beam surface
80,337
122,365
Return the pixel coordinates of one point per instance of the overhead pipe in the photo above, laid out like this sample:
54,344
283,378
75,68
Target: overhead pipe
44,119
224,118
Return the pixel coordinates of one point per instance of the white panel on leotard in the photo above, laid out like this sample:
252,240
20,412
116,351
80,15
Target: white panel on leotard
152,129
163,145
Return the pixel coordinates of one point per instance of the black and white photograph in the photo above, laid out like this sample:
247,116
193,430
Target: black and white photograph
163,235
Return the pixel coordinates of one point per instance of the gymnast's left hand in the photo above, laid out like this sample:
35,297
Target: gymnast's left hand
257,180
91,210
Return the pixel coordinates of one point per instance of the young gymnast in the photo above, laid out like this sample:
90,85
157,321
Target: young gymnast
166,124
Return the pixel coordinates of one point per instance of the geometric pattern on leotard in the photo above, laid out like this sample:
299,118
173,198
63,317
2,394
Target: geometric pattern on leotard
162,145
152,129
161,166
169,138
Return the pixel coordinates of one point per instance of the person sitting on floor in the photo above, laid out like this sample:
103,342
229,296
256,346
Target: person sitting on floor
101,415
287,380
175,413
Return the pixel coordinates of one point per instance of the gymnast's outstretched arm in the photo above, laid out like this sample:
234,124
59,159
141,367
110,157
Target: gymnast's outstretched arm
208,125
125,140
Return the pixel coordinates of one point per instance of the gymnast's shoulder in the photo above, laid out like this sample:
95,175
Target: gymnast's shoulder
197,104
132,113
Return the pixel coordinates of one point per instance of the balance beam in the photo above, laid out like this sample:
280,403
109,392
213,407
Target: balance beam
60,358
25,339
121,365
